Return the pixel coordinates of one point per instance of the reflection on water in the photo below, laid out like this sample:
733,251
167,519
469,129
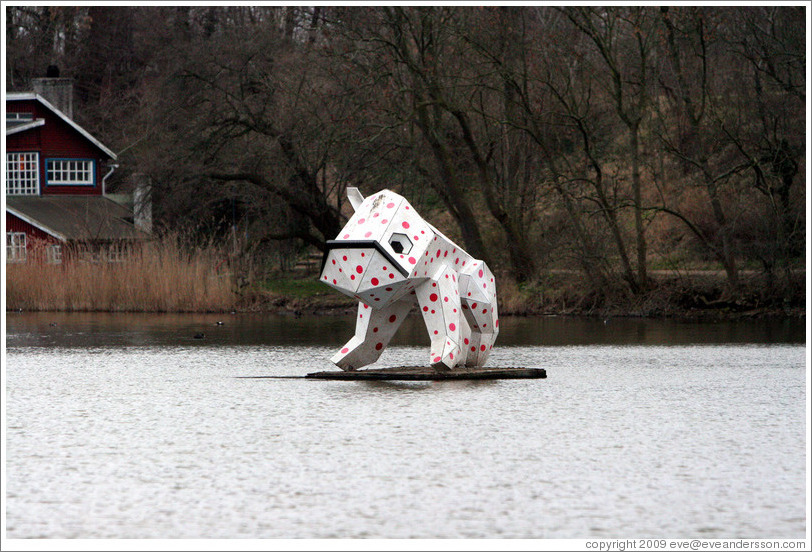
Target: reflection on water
104,329
125,426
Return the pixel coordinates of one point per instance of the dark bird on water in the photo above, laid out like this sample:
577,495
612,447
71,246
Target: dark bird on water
200,335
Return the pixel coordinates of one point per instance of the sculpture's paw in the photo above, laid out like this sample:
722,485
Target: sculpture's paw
356,354
445,355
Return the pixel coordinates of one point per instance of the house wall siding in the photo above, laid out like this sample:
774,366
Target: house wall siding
55,140
16,224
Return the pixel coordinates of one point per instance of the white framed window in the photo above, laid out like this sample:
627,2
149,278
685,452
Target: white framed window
53,254
117,253
19,116
16,251
69,172
22,173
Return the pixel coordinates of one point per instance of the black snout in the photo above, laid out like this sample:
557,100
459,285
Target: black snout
361,244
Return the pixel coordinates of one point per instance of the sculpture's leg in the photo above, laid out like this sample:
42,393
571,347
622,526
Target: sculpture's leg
439,302
478,292
373,330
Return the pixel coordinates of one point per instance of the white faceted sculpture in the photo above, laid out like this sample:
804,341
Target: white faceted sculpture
389,258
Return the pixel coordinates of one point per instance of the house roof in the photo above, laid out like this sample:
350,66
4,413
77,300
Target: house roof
21,96
76,218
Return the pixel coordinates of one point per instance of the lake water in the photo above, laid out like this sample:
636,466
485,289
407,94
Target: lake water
125,426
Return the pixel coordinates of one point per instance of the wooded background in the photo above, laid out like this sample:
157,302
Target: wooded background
612,142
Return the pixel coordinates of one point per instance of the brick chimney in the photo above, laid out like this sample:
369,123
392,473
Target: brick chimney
58,91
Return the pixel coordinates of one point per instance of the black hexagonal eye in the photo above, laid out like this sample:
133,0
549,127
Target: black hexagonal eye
400,243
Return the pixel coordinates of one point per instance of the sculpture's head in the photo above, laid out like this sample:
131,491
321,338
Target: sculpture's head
373,258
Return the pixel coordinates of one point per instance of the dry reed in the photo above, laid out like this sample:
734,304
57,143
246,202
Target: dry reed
163,276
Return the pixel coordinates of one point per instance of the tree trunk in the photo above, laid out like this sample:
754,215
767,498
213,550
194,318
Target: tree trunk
642,275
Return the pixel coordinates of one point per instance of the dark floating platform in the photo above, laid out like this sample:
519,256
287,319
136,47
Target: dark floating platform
420,373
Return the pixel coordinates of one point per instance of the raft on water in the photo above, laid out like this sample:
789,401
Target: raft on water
421,373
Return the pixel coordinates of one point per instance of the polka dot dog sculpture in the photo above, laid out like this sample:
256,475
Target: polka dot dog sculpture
389,258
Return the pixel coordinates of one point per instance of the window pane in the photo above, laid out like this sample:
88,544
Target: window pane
22,173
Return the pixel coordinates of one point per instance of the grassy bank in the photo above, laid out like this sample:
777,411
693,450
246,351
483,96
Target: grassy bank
702,294
163,277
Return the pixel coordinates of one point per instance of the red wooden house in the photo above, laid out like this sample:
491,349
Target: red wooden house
55,183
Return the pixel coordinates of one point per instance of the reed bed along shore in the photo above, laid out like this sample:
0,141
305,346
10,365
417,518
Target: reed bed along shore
168,276
163,276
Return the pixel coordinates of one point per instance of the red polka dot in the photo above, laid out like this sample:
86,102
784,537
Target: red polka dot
412,260
445,254
345,237
325,277
334,261
374,281
384,221
436,359
482,348
352,276
379,346
484,311
344,350
391,276
466,341
473,306
438,253
473,349
359,269
344,257
392,319
334,281
361,221
480,273
390,205
366,306
405,224
433,297
375,329
484,286
376,215
457,260
425,309
436,332
445,299
384,269
388,289
452,327
416,238
363,254
497,323
368,234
